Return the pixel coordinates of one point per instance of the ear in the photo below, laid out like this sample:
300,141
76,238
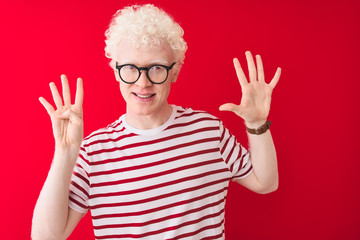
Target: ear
176,72
116,73
174,78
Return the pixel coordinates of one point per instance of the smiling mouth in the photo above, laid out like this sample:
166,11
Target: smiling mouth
144,96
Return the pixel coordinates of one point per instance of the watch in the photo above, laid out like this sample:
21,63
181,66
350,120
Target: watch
260,130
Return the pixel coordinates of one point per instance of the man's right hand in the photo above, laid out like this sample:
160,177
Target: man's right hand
53,218
67,119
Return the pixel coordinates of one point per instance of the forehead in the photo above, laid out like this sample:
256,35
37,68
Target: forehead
127,53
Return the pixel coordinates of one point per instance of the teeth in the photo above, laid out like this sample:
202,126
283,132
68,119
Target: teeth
144,96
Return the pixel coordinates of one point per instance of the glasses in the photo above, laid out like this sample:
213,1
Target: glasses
157,74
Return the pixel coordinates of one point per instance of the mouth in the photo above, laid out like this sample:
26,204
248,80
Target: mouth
144,96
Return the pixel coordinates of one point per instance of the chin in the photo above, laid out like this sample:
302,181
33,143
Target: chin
142,109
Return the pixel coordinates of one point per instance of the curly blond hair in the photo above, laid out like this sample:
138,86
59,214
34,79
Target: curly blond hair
146,26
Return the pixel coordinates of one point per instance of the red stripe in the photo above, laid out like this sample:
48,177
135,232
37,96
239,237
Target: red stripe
80,188
218,236
84,159
142,144
243,174
160,139
119,204
105,131
165,184
191,122
214,226
77,165
181,110
157,209
146,154
115,124
224,147
173,216
173,170
152,164
232,166
191,114
77,202
82,178
222,134
240,152
169,229
241,165
231,152
237,159
109,139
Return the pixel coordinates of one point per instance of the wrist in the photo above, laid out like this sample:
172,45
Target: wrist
256,124
66,154
260,129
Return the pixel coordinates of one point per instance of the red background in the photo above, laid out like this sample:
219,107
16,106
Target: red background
315,107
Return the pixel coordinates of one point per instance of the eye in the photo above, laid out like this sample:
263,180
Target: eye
129,67
157,68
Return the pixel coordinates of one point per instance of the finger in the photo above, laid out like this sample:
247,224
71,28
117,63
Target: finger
71,116
260,69
239,72
56,96
66,91
79,93
251,66
276,78
228,107
237,109
50,110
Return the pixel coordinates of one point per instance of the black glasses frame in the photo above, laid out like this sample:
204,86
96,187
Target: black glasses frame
118,67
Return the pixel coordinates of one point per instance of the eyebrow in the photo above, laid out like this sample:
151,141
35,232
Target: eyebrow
161,62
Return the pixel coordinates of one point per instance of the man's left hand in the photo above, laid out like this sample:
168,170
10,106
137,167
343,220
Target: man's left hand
256,93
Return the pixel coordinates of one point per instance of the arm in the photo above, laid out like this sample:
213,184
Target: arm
264,178
52,218
254,109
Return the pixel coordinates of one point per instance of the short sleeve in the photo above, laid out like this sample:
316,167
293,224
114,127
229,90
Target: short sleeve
236,157
80,184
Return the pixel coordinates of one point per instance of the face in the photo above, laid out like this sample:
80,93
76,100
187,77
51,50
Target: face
144,98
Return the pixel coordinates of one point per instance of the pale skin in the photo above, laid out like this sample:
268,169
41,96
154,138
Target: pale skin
53,219
254,109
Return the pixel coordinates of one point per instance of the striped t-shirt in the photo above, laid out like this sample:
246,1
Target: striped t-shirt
164,183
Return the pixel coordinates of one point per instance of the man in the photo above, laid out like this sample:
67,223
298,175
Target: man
160,171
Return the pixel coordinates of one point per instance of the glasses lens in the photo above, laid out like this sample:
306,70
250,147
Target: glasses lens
129,73
157,74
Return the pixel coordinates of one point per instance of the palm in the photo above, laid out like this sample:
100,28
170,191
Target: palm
256,94
67,119
68,131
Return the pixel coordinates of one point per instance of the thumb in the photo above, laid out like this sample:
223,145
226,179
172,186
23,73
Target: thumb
71,116
237,109
228,107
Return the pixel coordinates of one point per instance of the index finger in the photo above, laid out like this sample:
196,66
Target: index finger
79,97
239,72
276,78
50,110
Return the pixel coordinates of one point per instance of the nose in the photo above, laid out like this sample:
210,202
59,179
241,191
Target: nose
143,80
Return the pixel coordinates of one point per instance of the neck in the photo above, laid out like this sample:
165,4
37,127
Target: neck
148,121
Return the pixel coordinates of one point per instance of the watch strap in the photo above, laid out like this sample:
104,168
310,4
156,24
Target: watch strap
260,130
